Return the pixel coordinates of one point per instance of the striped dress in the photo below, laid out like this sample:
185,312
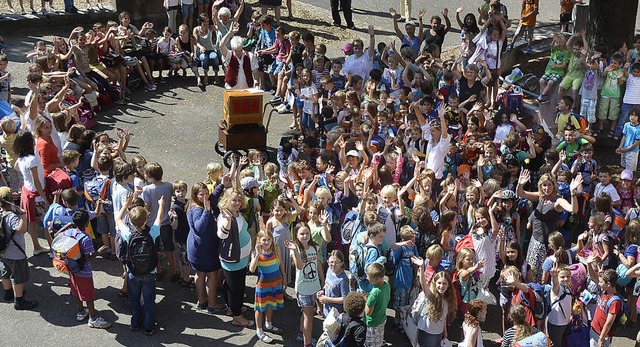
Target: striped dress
269,292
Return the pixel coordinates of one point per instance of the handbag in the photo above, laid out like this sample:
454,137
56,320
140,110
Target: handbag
112,58
485,295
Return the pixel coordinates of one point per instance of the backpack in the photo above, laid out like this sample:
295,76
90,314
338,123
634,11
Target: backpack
512,101
351,226
542,307
577,334
142,253
426,240
538,339
58,179
56,217
357,253
270,192
99,188
334,327
621,318
465,242
578,278
4,240
68,254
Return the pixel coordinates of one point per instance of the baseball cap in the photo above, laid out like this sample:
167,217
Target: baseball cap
249,183
353,153
347,48
5,194
625,175
464,168
537,129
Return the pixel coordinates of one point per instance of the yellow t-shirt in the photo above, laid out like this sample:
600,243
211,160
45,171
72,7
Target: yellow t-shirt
529,6
6,142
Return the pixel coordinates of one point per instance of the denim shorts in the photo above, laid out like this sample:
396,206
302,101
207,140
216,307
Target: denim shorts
105,223
187,10
276,67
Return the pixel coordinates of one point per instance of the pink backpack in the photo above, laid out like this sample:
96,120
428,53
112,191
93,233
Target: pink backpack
578,278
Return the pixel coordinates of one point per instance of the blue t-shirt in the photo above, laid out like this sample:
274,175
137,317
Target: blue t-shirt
335,287
403,277
154,232
415,44
631,135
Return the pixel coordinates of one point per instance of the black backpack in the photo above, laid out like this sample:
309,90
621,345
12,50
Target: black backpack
4,240
142,253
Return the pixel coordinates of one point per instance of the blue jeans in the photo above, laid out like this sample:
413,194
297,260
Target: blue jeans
307,121
142,286
208,58
624,117
428,340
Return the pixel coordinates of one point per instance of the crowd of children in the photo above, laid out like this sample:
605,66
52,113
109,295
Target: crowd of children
414,174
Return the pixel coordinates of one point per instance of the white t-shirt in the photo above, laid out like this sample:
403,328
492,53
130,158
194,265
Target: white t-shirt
434,327
242,80
492,54
609,190
436,154
358,66
308,92
632,93
560,313
25,164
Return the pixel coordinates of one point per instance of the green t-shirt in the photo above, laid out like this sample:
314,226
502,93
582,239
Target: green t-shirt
575,69
611,87
571,149
378,299
558,57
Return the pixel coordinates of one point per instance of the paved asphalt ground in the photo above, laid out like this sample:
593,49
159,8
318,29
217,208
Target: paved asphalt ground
176,126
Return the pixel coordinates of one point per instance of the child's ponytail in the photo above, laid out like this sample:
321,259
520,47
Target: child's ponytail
556,240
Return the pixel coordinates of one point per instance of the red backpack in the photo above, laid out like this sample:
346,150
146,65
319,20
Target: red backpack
528,300
58,179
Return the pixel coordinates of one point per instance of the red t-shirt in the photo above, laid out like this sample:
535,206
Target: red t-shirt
48,153
600,316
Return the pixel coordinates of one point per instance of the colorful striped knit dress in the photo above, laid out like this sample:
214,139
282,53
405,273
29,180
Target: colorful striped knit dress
269,292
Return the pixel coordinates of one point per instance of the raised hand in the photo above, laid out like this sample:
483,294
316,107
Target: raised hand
393,12
525,175
324,217
575,183
417,260
422,13
359,146
371,31
459,9
291,245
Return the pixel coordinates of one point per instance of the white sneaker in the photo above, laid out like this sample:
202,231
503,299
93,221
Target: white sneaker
89,9
99,323
100,7
82,315
51,255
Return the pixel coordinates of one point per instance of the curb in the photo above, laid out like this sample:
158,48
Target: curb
22,24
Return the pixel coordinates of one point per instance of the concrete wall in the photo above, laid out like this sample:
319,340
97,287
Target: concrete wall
144,11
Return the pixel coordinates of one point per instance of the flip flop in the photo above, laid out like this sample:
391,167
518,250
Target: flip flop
265,338
249,324
230,314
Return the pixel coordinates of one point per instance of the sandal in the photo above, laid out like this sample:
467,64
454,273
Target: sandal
122,293
610,134
248,324
217,310
230,314
265,338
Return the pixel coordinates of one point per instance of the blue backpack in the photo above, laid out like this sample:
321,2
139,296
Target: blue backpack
352,225
56,217
621,318
99,188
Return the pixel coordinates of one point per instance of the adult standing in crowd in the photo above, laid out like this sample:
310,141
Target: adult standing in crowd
241,65
546,215
361,63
